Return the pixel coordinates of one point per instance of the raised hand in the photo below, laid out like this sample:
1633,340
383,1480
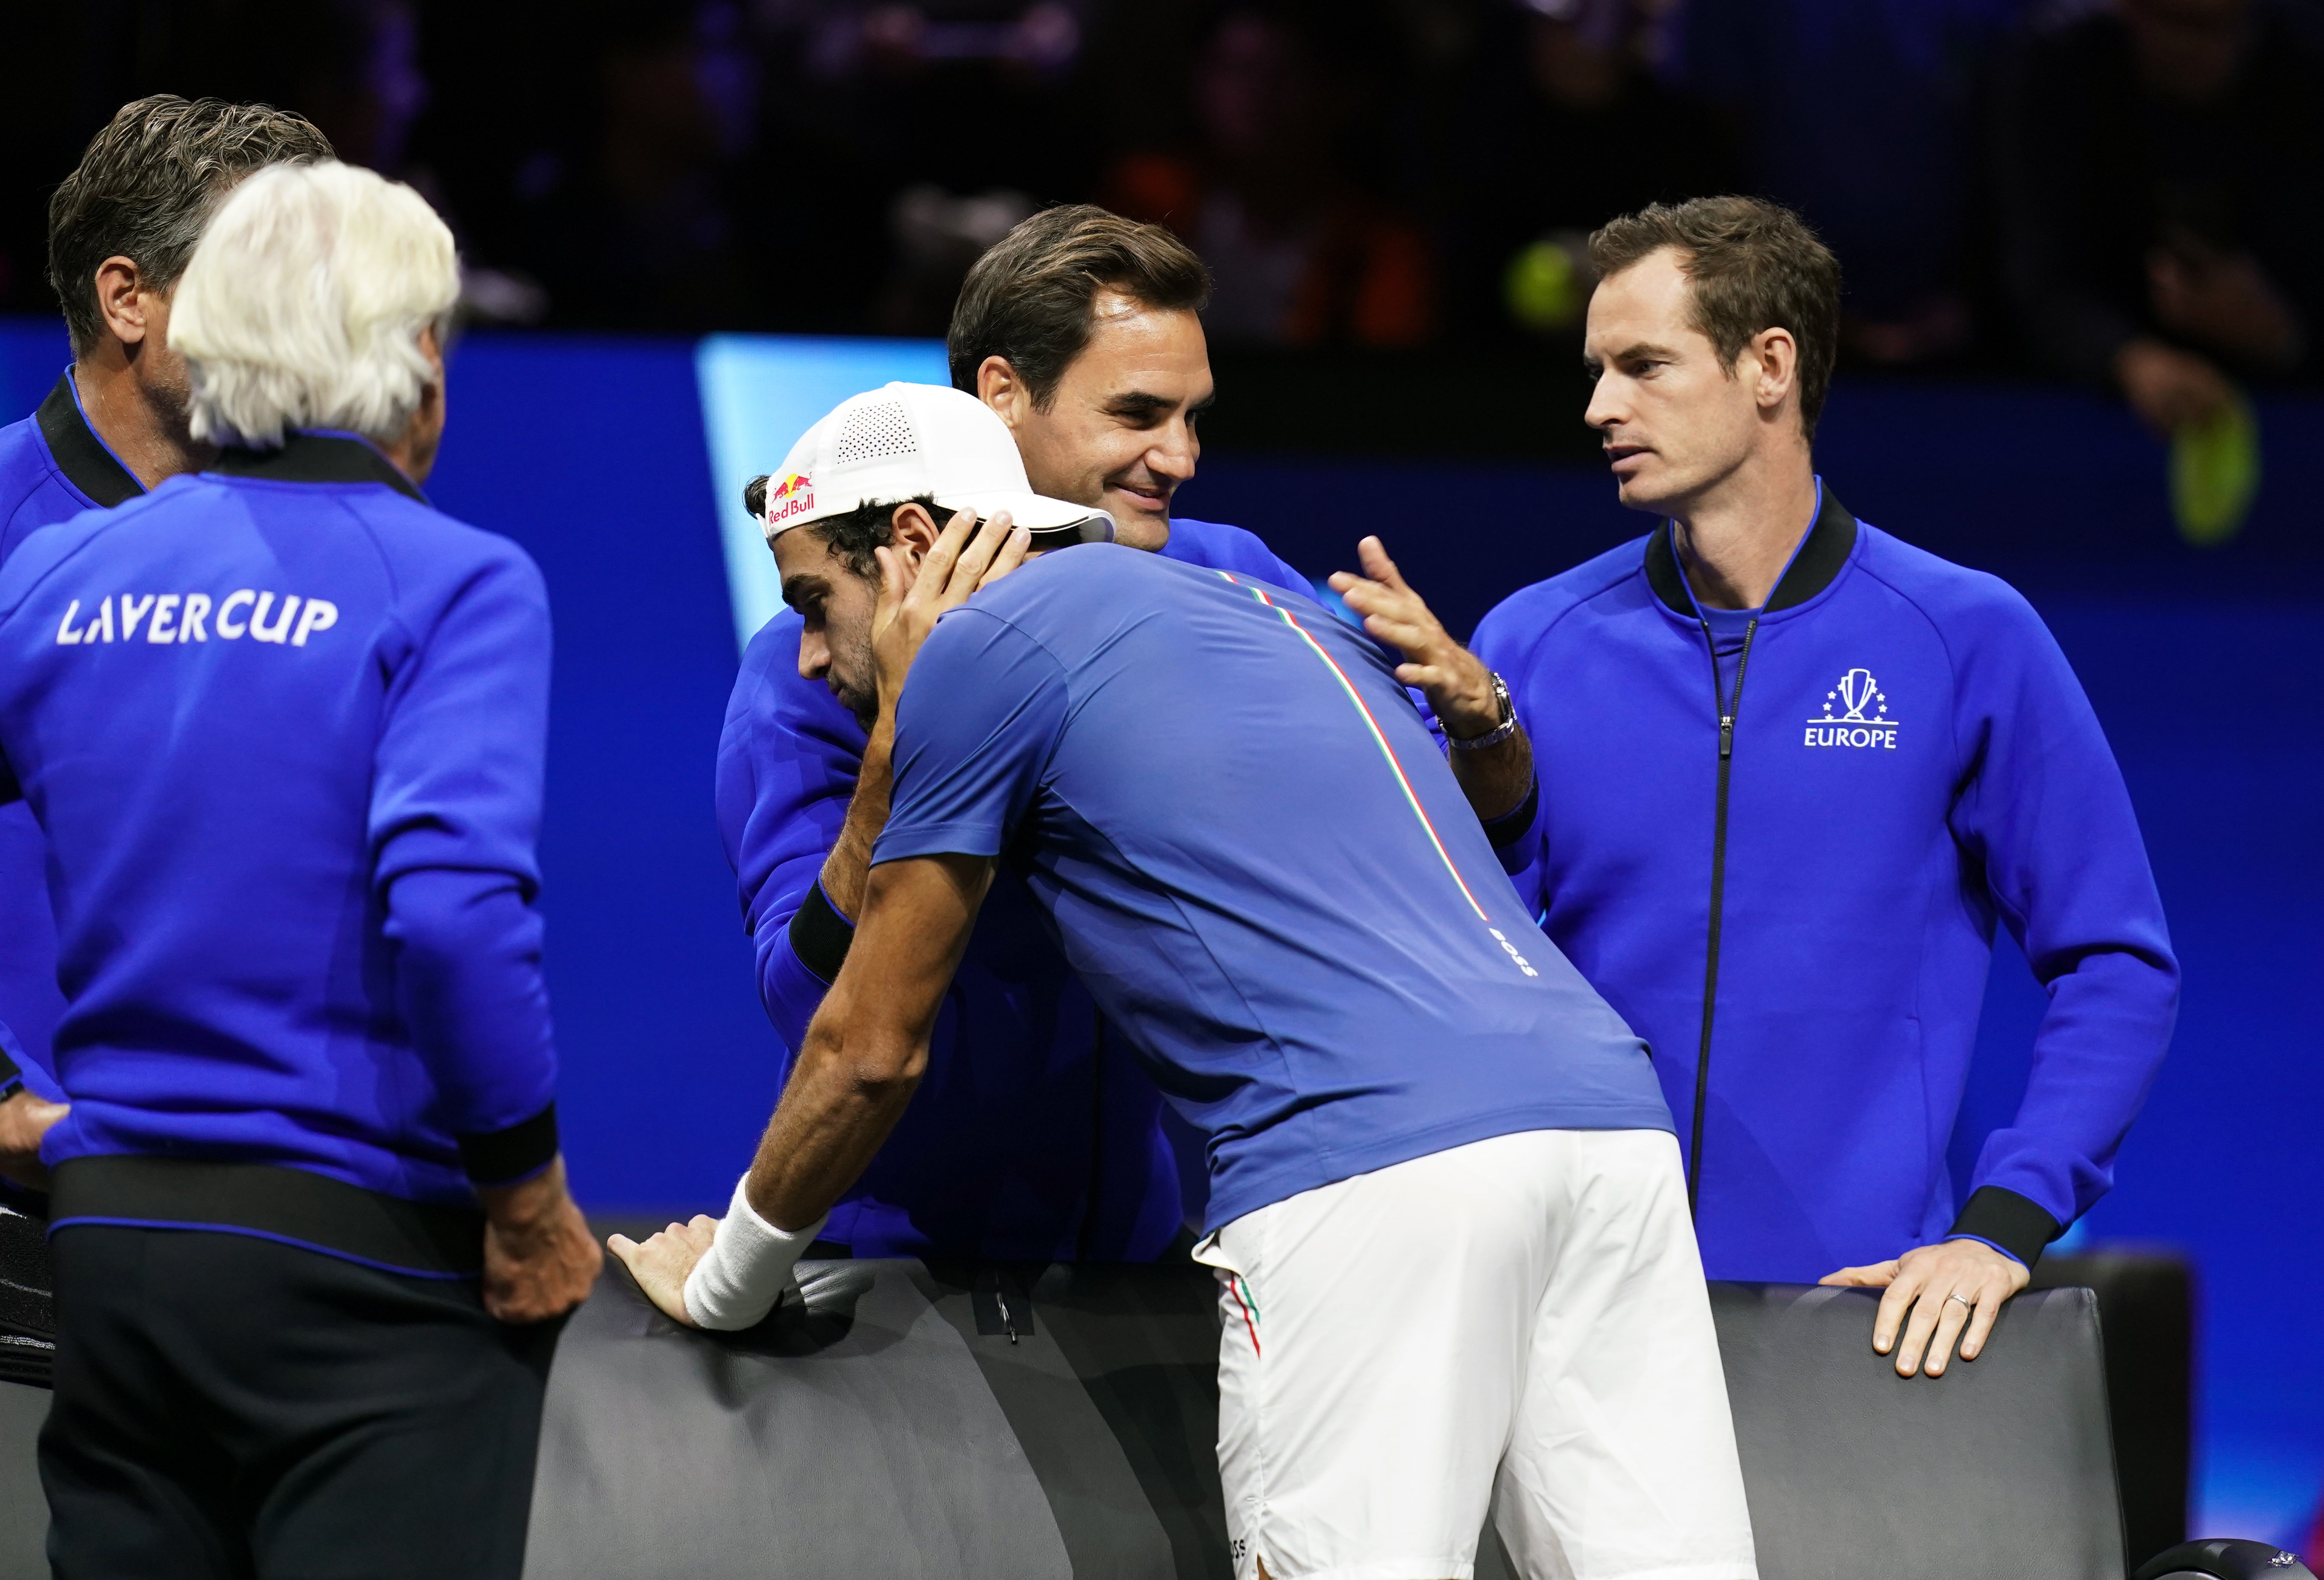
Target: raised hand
1459,687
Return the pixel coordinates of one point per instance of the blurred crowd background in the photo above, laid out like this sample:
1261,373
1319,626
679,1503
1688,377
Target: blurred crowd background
2122,193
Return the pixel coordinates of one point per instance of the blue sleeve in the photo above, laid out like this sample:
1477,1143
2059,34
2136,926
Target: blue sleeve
455,816
20,1069
2046,812
1503,645
14,1066
975,726
12,1063
787,761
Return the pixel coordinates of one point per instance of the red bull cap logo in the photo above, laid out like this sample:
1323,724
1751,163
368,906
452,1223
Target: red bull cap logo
794,495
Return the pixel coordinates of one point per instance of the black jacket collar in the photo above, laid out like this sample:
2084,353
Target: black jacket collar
318,457
1829,542
80,454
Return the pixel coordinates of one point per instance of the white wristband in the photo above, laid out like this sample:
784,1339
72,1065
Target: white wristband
741,1276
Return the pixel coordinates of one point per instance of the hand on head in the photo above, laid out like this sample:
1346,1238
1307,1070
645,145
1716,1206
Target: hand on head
916,591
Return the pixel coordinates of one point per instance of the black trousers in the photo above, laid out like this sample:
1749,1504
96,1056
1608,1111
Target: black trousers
228,1406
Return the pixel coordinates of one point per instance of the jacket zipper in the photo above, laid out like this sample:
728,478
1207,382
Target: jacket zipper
1727,710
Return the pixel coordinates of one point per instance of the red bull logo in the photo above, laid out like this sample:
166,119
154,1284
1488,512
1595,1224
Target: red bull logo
794,495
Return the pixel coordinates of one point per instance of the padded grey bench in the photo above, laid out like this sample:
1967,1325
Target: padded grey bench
895,1425
952,1424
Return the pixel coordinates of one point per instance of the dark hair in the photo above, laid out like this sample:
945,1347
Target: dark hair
1750,265
853,534
145,187
1029,298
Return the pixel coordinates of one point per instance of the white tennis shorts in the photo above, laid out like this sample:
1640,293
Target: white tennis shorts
1517,1324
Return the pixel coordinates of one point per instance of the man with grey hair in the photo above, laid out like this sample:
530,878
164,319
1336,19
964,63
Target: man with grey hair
283,726
121,227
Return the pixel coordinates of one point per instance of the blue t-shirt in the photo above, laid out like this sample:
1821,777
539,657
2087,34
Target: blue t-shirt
1260,865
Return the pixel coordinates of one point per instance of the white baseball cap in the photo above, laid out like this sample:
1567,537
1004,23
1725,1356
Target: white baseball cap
911,441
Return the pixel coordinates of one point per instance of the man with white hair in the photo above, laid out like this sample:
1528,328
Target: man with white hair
121,227
283,727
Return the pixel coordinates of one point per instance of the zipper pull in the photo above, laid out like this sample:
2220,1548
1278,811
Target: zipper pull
1726,737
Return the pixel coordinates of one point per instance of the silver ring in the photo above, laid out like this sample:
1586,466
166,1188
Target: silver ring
1970,1304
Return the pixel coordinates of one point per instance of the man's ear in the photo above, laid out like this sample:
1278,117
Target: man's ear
1772,364
913,531
121,291
998,387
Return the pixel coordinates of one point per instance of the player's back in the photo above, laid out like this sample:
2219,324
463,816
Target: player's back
241,707
1261,865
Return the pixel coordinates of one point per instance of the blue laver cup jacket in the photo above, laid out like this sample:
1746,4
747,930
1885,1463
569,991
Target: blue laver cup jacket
53,468
1035,1135
1911,759
283,725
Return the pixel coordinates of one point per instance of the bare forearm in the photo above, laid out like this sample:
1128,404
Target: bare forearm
1496,779
837,1109
869,1043
849,865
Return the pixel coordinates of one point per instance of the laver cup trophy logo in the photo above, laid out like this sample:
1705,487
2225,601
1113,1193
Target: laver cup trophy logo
1858,690
1855,714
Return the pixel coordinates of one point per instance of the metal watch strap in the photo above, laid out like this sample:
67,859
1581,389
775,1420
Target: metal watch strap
1500,732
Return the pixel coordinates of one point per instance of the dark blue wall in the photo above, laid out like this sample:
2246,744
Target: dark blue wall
2204,667
591,455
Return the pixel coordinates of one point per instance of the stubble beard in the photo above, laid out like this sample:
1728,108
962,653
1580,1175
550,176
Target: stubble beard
854,682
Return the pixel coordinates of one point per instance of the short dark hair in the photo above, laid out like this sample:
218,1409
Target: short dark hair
1028,299
1750,265
853,534
146,185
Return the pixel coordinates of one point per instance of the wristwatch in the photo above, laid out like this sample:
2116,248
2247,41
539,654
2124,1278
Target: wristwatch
1500,732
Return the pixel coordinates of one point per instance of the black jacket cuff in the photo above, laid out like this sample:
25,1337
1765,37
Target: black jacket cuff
2009,1221
1511,827
503,1157
820,936
11,1078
